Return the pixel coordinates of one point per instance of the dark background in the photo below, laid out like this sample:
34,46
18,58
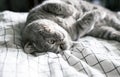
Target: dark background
26,5
113,5
18,5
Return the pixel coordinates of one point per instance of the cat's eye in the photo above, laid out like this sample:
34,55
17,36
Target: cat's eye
51,41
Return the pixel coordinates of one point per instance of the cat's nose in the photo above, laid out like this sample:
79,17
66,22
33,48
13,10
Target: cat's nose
63,46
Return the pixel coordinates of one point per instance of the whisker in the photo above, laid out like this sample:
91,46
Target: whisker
75,42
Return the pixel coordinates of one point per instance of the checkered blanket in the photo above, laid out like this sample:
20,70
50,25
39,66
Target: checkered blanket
91,57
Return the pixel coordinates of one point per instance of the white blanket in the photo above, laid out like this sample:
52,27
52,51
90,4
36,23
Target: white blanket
92,57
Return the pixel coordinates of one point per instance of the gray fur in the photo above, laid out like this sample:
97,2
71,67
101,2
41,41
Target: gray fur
64,21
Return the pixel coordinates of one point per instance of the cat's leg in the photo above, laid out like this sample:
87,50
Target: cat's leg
58,8
113,21
116,23
105,32
86,23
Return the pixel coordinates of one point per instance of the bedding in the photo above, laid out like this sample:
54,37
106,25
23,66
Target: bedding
91,57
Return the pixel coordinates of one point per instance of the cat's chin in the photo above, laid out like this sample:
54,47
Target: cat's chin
56,51
36,54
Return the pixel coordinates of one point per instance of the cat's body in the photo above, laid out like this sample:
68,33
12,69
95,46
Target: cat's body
74,18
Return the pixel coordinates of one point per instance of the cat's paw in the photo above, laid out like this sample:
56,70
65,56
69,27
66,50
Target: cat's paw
87,22
60,8
94,15
115,36
98,14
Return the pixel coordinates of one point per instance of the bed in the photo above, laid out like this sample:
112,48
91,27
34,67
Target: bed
92,57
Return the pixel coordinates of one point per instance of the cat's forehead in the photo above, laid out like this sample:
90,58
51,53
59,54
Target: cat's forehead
49,33
53,34
49,28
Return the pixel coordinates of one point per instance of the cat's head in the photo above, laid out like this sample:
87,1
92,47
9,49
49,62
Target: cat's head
45,35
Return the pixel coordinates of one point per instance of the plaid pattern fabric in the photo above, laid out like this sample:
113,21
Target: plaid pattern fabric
91,57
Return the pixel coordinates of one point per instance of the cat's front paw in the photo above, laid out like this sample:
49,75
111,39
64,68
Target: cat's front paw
87,22
98,14
60,8
94,15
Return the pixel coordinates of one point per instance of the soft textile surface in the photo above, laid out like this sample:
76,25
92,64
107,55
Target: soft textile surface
92,57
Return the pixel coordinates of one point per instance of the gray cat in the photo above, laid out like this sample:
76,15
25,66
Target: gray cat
54,25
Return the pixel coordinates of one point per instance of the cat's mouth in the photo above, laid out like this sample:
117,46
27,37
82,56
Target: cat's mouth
58,48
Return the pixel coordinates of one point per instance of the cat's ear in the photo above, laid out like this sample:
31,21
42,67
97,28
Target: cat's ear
87,22
28,48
